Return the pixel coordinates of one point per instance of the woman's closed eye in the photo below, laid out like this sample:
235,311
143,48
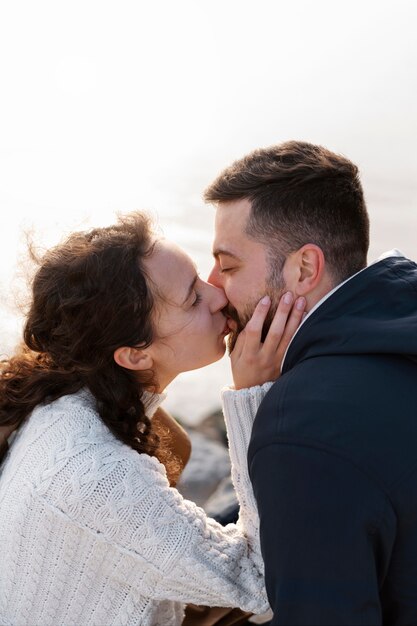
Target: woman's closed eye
198,298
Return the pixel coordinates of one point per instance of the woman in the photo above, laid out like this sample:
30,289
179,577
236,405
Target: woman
91,532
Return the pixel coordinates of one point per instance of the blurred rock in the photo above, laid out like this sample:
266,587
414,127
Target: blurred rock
206,478
213,427
223,504
208,465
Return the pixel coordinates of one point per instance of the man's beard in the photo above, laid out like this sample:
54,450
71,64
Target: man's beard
242,319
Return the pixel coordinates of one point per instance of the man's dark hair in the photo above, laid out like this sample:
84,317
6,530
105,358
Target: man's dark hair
300,193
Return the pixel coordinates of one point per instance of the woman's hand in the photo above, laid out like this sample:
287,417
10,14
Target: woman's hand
254,362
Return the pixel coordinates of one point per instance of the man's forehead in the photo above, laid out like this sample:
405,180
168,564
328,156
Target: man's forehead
234,213
230,227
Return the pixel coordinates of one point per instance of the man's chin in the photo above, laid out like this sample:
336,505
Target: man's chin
239,324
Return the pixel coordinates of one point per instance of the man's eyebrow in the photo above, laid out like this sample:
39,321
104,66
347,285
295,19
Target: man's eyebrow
190,289
222,251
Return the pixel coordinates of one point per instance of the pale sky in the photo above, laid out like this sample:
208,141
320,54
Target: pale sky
113,104
119,105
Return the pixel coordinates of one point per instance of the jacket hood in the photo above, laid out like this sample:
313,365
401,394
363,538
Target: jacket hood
374,312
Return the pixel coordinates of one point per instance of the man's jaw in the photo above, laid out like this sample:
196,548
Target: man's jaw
238,322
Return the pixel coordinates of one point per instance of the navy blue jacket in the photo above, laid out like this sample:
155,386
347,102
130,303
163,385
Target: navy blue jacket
333,459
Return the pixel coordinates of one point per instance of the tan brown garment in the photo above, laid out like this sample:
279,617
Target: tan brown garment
214,616
5,432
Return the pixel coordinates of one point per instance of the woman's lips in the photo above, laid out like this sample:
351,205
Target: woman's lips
232,325
226,329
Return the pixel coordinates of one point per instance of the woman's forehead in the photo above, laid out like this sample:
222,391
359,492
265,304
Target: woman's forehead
171,270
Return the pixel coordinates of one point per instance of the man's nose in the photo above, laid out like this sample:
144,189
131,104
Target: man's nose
218,298
214,278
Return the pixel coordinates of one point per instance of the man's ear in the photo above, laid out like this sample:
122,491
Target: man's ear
306,269
133,358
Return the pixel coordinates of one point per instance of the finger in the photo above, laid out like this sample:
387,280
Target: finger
298,313
253,329
284,325
277,327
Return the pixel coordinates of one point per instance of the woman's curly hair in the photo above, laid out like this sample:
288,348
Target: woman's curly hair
90,295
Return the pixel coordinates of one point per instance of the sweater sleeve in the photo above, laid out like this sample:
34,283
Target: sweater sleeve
239,409
166,546
325,536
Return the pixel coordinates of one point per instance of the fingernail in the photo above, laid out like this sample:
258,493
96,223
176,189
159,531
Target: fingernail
300,304
288,297
266,300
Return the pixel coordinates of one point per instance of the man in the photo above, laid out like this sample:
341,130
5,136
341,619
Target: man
333,453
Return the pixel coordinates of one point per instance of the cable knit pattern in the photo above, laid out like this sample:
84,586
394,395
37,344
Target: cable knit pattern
239,410
92,533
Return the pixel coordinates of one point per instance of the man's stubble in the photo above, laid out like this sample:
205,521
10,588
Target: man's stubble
275,289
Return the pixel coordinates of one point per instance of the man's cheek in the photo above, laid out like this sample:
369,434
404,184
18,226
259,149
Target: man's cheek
230,295
233,288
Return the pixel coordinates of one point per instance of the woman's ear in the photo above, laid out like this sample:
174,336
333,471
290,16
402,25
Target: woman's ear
133,358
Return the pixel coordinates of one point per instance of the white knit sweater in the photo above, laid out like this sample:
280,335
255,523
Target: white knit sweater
91,533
